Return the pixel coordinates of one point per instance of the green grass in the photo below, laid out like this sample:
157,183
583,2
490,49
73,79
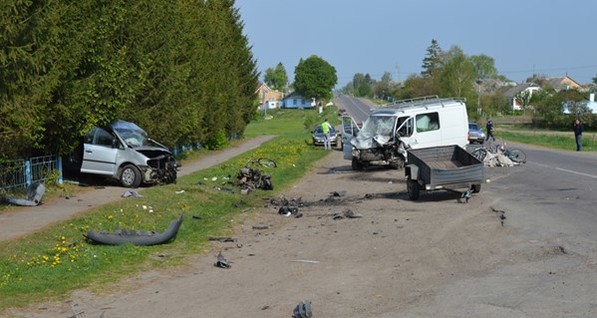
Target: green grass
554,140
50,263
291,121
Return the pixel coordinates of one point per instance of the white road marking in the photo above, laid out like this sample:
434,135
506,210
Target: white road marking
566,170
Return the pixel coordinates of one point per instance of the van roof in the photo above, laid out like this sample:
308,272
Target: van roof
410,105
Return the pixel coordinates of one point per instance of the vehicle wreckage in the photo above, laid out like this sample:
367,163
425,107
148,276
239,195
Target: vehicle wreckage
123,151
392,130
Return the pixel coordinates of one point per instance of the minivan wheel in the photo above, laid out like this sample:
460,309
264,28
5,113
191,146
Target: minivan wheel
130,177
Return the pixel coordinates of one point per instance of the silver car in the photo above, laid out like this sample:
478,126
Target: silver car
123,151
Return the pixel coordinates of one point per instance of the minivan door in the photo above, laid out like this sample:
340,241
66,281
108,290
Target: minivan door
99,154
350,129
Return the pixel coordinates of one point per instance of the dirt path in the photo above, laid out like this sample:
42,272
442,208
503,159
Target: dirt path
391,259
24,220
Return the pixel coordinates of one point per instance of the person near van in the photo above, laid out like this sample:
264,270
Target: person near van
490,130
577,128
327,139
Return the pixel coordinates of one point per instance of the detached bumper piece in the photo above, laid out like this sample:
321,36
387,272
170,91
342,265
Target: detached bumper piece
34,194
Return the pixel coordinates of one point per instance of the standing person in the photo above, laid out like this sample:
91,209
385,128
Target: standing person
577,128
490,130
327,141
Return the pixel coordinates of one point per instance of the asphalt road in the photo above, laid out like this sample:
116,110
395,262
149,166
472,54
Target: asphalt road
550,205
357,108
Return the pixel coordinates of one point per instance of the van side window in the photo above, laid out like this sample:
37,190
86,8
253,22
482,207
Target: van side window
407,129
103,138
427,122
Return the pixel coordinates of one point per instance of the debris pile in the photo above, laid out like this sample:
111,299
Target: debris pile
251,179
497,160
288,207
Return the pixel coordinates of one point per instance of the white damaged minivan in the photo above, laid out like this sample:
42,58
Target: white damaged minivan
123,151
407,124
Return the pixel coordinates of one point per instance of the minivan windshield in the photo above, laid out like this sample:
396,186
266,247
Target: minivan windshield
378,125
132,134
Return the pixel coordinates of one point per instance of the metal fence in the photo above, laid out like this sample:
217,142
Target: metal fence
19,174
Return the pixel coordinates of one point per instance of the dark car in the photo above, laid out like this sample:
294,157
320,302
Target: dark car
318,136
474,133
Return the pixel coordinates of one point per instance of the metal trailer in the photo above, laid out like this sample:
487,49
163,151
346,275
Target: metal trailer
443,167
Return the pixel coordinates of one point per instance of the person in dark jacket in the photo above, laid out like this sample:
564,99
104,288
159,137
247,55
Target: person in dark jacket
490,130
577,128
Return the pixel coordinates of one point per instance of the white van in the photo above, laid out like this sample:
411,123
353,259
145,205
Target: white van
408,124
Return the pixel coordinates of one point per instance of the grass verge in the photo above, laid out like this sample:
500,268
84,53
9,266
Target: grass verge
47,265
550,139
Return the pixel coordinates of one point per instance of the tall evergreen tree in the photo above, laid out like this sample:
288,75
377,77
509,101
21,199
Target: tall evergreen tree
432,59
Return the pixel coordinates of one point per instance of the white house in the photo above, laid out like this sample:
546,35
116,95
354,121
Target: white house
295,100
514,92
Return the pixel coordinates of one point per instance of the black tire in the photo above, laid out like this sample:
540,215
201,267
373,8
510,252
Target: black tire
413,189
130,177
517,156
476,188
356,164
480,153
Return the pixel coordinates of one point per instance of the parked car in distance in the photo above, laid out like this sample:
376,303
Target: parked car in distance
123,151
318,136
474,133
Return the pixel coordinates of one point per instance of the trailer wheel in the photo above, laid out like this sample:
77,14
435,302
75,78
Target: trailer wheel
356,164
413,189
476,188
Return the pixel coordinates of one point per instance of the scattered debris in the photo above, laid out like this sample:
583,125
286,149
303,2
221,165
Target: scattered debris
249,178
501,214
288,210
196,217
130,193
338,193
466,196
221,239
221,261
224,189
303,310
370,196
34,194
77,312
285,202
260,227
352,215
179,192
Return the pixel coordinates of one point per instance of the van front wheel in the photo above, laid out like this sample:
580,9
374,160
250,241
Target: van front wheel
130,177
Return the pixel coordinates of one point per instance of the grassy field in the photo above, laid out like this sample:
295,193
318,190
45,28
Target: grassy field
51,263
549,139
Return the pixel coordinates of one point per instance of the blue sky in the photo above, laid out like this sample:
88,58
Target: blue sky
554,38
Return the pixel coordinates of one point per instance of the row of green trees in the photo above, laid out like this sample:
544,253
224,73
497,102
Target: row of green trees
453,73
183,70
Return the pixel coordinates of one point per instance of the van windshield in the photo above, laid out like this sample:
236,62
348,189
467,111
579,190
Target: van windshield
378,125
